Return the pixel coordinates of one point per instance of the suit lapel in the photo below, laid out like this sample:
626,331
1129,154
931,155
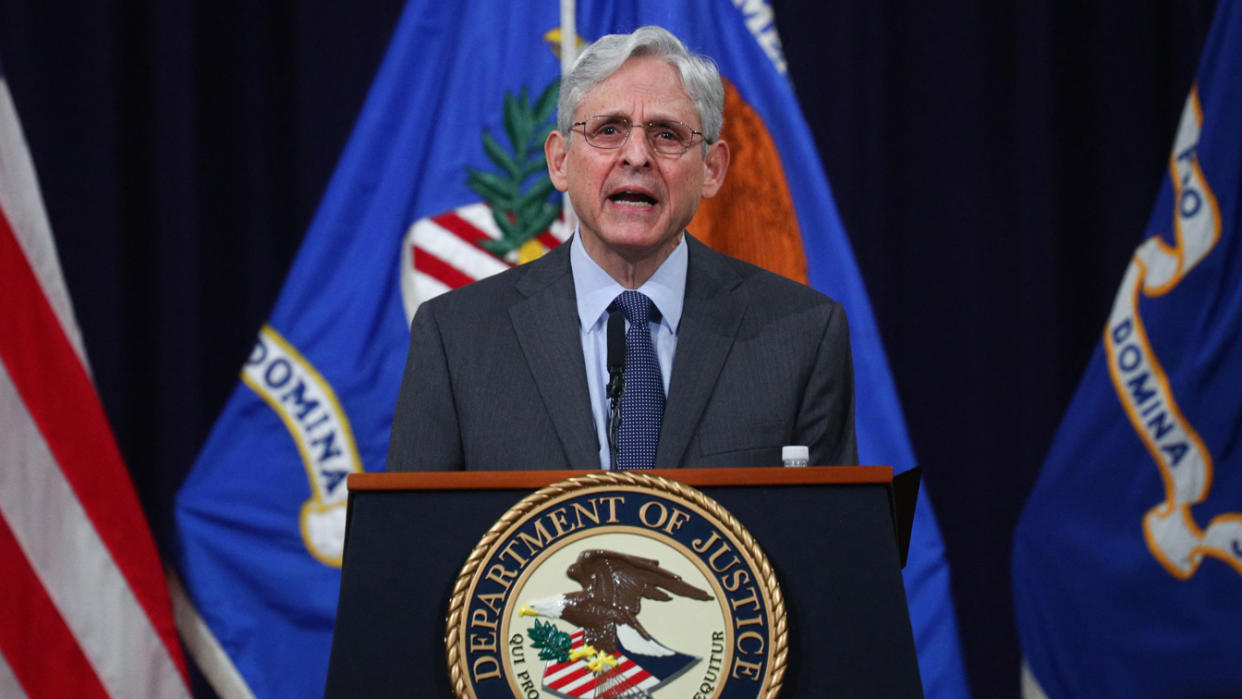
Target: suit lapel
709,323
546,323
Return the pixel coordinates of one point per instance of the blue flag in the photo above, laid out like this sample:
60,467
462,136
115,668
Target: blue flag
1128,557
443,182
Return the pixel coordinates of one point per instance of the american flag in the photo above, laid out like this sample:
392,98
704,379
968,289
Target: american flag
84,608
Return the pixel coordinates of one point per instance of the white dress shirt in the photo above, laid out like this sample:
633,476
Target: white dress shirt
595,289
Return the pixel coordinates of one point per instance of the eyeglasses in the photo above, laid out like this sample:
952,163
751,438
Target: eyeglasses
665,137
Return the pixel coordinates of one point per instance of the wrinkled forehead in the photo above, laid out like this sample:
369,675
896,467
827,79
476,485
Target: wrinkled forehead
642,89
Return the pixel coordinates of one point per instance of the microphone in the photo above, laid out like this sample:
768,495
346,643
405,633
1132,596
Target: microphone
616,379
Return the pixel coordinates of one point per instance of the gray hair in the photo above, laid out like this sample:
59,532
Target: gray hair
699,76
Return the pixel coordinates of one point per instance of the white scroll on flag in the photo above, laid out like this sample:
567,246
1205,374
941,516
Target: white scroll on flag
1127,559
84,611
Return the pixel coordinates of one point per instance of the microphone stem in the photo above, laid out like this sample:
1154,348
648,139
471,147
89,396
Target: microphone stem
616,382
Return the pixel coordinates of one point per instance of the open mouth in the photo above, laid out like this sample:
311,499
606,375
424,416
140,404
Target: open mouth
632,198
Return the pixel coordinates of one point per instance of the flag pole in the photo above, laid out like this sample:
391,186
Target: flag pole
569,54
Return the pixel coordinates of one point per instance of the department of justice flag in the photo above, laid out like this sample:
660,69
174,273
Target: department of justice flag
1127,561
443,182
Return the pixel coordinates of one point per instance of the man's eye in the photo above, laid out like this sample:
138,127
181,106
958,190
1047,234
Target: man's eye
666,135
607,130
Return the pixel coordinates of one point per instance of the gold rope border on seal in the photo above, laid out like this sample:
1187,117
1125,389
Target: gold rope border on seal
457,603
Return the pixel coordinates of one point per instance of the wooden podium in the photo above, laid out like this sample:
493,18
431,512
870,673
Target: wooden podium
829,533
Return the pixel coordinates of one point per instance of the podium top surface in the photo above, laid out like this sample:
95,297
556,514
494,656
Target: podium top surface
697,477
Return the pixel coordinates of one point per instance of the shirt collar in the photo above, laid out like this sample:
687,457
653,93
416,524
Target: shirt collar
595,289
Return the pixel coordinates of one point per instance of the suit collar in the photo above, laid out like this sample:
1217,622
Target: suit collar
546,323
715,306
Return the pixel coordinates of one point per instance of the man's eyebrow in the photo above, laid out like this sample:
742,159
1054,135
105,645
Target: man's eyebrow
618,114
664,118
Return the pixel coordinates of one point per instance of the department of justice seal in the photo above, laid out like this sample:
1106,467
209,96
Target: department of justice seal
616,585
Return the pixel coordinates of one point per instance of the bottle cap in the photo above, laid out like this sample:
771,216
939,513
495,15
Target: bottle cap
795,453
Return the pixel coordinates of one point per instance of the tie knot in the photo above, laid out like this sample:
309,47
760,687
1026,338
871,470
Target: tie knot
635,306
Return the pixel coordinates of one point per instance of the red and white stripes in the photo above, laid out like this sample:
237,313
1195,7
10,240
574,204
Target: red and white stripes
574,679
443,252
84,610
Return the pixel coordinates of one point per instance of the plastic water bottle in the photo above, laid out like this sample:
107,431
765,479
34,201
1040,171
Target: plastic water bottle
795,455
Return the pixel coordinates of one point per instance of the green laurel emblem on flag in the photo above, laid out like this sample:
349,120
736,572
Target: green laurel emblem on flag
519,193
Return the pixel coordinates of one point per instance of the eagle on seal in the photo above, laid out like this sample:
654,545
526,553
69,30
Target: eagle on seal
606,608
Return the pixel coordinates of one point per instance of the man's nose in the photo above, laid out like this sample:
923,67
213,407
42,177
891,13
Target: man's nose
636,152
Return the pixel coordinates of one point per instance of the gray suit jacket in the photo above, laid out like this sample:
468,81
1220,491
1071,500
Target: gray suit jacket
496,380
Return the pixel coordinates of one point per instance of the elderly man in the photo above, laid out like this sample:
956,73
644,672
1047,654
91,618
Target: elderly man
723,362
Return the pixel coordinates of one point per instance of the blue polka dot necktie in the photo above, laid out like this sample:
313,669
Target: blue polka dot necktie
642,403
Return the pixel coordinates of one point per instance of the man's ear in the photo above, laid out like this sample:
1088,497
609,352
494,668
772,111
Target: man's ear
715,164
556,150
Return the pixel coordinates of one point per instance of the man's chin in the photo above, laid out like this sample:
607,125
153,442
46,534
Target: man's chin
640,245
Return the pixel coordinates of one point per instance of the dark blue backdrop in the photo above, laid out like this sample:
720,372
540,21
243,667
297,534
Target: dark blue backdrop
994,165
